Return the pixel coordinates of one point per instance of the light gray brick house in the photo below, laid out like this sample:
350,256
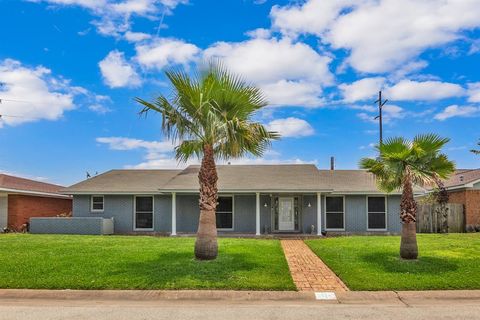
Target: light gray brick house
253,199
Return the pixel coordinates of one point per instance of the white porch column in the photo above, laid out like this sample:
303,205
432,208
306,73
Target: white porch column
257,214
319,213
174,214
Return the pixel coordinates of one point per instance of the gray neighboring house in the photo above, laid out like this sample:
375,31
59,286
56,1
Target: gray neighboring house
253,199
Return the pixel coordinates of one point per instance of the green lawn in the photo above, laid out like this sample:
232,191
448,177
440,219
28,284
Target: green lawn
449,261
135,262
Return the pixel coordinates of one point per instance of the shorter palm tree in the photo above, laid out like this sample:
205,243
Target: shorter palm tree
401,164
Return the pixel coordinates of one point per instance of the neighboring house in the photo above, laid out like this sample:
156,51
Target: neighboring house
21,199
464,187
253,199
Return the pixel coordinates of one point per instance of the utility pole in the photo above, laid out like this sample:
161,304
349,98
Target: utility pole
380,117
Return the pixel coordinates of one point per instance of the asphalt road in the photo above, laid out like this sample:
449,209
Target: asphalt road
37,309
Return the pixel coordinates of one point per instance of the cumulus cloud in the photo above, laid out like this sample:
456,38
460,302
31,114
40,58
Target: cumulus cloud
362,89
136,36
117,72
457,111
113,18
295,68
31,94
291,127
122,143
404,90
424,91
474,92
386,35
165,51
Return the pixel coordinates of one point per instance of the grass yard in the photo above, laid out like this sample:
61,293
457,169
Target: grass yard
138,262
450,261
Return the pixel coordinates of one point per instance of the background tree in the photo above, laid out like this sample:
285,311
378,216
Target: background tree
402,164
210,115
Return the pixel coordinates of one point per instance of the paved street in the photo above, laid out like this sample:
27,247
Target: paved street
37,309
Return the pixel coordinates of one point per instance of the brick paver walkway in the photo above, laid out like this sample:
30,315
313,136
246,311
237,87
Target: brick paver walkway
308,271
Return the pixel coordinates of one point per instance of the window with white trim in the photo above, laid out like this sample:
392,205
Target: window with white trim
224,214
334,213
377,213
143,212
97,203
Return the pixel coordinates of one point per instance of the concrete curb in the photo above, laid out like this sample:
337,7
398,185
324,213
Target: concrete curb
405,298
141,295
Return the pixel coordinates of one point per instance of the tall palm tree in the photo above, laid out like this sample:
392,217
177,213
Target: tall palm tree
401,164
210,115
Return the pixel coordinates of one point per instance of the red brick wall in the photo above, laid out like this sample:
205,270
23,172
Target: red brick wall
22,207
472,207
471,201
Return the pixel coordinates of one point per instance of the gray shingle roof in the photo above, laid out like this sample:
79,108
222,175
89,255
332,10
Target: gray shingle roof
124,181
239,178
252,178
462,177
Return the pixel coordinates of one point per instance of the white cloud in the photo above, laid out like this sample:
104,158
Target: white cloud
136,36
291,127
117,72
423,91
294,68
162,52
363,89
310,17
113,18
404,90
31,94
474,92
261,33
457,111
99,104
122,143
293,93
380,35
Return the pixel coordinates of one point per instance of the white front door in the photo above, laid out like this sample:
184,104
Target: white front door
286,220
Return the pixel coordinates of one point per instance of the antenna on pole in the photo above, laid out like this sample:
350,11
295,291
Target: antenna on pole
380,116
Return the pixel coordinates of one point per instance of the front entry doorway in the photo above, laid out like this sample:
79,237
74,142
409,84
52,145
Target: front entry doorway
286,216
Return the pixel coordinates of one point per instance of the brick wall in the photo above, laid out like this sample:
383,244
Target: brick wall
471,201
22,207
472,207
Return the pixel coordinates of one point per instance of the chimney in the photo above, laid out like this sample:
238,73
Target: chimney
332,163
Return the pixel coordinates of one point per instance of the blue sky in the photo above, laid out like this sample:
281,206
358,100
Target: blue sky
69,70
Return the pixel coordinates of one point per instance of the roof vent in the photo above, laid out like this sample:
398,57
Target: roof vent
461,178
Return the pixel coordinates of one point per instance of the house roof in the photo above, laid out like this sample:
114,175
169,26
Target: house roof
463,178
349,180
14,184
231,178
124,181
252,178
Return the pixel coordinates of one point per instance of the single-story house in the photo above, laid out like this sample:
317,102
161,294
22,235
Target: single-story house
253,199
21,199
464,187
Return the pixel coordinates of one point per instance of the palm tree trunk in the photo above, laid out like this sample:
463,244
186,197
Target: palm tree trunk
206,247
408,210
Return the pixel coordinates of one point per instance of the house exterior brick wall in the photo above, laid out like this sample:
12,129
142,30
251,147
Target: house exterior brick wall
22,207
471,202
